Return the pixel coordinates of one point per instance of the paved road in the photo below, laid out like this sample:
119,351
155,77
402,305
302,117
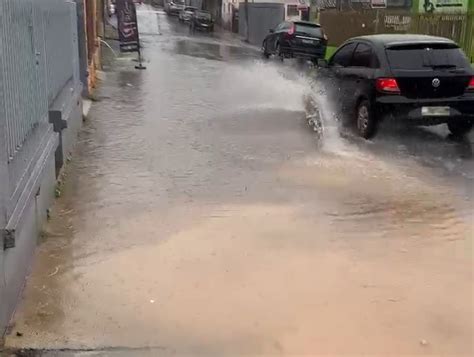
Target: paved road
200,215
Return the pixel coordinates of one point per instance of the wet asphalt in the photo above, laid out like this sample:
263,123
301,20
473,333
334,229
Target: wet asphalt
200,215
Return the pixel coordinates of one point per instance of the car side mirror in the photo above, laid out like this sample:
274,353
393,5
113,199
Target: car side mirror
271,30
322,63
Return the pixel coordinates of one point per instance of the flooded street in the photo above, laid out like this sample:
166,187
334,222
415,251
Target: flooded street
200,216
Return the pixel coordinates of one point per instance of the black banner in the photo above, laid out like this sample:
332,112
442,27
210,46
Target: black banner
127,25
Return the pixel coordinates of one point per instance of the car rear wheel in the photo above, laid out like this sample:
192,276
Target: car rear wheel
265,53
278,52
365,119
459,128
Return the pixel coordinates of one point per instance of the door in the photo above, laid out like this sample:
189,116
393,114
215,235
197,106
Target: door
274,38
358,76
308,38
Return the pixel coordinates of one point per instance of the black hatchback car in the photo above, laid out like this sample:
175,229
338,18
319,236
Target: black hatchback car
417,79
297,39
202,20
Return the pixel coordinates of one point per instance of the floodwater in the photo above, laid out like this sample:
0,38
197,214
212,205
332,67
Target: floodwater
200,215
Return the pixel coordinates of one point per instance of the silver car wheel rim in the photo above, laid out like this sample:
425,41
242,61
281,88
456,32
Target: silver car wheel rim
363,118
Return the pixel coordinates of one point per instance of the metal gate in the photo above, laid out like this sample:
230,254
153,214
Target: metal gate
261,17
38,60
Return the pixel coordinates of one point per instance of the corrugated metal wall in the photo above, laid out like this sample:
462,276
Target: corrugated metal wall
23,80
38,56
261,18
57,20
452,26
39,78
458,27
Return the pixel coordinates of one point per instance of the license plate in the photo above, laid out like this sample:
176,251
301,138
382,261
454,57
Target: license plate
435,111
309,42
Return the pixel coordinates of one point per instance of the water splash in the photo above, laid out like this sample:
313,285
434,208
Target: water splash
267,85
263,85
320,111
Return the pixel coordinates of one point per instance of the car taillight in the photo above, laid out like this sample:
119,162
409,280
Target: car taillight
470,86
387,85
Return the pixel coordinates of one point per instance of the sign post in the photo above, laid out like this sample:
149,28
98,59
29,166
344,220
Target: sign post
129,37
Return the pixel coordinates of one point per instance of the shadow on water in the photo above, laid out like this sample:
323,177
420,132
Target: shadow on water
212,51
432,147
428,145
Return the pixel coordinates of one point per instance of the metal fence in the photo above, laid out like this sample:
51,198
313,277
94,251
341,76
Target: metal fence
468,40
261,17
38,56
458,27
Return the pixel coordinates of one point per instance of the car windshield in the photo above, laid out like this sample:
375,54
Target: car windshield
203,15
310,30
426,56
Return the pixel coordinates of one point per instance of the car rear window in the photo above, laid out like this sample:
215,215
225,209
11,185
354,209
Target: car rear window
426,56
203,15
309,30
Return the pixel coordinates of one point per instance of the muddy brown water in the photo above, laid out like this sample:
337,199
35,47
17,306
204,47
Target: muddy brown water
200,217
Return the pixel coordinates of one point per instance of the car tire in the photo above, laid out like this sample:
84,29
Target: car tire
365,120
265,54
278,52
460,128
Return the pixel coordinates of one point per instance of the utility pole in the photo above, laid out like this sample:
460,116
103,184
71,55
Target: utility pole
247,30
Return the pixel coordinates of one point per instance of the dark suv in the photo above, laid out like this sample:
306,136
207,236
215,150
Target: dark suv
420,80
297,39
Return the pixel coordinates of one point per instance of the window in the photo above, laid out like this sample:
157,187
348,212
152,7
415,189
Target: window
278,28
362,56
309,30
282,27
292,10
343,56
426,56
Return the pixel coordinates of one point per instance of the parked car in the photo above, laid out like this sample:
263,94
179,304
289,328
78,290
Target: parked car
173,8
187,13
298,39
414,79
202,20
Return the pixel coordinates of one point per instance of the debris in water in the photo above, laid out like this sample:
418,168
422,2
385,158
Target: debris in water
54,272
